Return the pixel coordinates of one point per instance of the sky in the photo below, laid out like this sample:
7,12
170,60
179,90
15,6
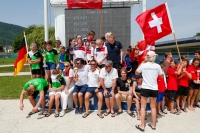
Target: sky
185,15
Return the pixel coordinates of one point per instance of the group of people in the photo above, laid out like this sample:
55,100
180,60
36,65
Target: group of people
99,67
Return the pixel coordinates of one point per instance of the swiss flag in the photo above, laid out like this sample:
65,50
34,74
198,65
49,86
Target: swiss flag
144,48
155,23
92,4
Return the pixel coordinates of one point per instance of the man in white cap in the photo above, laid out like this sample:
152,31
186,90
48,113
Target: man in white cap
150,72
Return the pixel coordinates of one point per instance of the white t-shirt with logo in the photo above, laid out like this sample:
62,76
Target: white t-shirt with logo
89,53
80,52
83,75
93,78
100,52
108,77
68,75
150,72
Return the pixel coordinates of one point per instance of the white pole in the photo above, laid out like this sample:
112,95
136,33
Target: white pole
144,2
144,5
46,33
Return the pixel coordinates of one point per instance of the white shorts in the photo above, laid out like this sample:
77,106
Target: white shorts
54,93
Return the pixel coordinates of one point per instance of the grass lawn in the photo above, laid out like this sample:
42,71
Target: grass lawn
7,61
11,69
11,86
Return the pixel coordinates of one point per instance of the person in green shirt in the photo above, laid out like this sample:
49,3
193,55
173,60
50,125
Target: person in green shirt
34,59
56,85
32,88
42,50
51,60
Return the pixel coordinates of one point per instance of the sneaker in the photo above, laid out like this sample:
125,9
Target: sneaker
62,113
164,111
76,110
80,110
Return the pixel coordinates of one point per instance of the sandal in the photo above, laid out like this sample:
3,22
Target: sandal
56,115
184,110
131,114
178,110
153,128
106,113
31,113
47,114
100,116
118,113
113,114
85,115
138,127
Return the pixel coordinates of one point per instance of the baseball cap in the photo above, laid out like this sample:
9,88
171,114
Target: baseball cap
151,54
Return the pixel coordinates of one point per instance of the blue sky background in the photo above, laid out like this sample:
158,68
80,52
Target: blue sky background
185,15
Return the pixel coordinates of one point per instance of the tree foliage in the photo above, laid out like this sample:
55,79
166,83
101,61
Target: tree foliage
33,33
198,34
1,48
8,32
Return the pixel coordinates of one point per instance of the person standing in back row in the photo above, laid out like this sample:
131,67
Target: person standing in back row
115,52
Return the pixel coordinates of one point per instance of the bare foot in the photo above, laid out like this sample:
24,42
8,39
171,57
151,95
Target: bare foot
190,108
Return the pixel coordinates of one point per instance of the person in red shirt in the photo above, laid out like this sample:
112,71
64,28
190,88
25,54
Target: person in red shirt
194,86
162,85
183,87
172,84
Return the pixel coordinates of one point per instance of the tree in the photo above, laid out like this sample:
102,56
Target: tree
197,34
33,33
1,48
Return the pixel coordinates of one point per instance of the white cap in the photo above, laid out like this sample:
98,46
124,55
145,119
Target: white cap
151,54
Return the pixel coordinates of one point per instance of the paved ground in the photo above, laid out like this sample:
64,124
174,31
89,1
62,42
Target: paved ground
13,120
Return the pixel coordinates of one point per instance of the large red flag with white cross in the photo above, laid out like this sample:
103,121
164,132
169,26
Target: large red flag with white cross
155,23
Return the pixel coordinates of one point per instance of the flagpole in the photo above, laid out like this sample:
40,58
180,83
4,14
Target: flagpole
27,54
100,24
177,46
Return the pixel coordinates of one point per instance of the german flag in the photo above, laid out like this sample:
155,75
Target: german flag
22,57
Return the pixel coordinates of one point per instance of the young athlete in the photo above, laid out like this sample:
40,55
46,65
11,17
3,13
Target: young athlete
62,58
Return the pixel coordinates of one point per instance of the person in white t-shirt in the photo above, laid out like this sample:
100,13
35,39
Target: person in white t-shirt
89,52
100,53
81,85
68,76
150,72
79,51
93,85
108,77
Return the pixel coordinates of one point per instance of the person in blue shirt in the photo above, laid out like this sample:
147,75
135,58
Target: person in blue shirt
127,60
62,58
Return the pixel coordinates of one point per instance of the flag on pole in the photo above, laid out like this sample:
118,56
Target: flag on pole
144,48
22,57
92,4
155,23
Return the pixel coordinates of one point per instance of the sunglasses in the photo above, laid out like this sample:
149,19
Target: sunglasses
66,66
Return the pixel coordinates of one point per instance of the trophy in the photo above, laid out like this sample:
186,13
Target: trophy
44,59
198,73
76,74
129,81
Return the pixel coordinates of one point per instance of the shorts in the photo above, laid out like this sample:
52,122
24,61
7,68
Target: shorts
182,90
91,89
194,86
148,93
108,95
36,71
50,66
123,97
117,65
172,94
42,72
160,97
35,94
101,66
81,89
133,77
54,92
